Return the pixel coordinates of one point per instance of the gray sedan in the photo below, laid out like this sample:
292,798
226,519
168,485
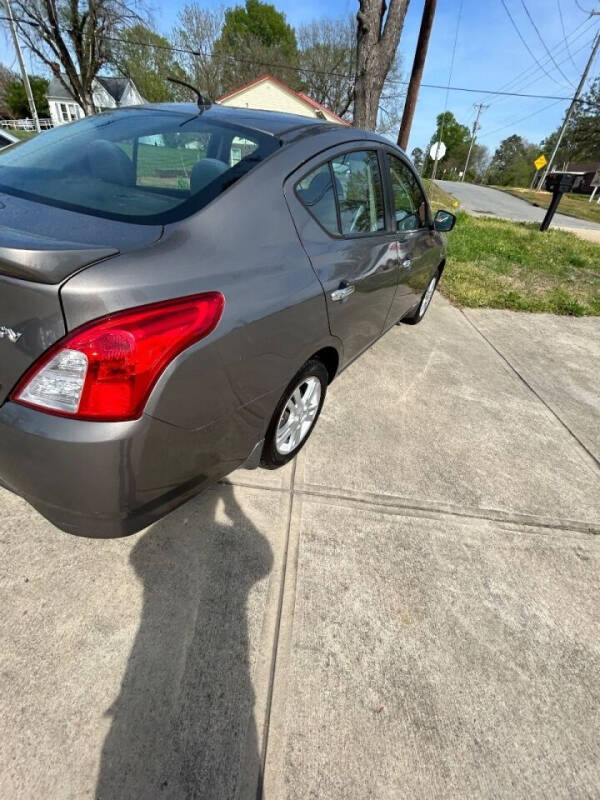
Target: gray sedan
179,286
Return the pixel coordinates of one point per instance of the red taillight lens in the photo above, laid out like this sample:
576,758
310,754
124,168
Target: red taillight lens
105,370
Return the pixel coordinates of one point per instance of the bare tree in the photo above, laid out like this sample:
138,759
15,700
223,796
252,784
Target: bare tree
327,60
73,38
377,37
196,31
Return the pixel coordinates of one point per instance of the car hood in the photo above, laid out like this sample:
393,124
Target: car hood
46,244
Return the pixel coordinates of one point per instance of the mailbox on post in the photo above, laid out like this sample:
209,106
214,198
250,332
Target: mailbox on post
558,183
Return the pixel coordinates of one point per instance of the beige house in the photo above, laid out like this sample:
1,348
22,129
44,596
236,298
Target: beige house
270,94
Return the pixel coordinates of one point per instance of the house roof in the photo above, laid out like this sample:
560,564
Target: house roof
586,166
114,86
300,95
57,90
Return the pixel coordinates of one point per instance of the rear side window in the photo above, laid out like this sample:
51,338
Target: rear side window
316,193
345,195
139,165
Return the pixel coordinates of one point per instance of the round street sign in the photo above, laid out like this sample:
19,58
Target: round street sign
439,148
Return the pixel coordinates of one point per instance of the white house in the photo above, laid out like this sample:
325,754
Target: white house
108,92
270,94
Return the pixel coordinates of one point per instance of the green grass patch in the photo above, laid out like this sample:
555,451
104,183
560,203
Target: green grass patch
438,198
574,205
498,264
23,135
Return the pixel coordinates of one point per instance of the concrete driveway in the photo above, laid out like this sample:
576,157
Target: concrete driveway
410,610
484,201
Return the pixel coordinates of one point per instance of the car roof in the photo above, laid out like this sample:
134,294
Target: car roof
276,123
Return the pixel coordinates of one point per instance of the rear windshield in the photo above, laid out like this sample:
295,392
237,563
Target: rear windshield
139,165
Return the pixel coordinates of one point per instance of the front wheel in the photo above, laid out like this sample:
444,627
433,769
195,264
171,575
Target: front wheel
295,415
417,315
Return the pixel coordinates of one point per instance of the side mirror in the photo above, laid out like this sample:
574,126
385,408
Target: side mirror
444,221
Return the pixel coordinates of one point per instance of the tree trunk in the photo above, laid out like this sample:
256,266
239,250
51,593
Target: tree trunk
377,38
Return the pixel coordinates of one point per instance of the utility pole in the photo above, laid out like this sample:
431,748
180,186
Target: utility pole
24,74
476,126
417,73
572,105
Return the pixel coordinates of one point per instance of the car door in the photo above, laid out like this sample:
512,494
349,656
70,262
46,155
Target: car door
339,209
418,251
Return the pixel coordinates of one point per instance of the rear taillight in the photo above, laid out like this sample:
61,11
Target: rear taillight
106,369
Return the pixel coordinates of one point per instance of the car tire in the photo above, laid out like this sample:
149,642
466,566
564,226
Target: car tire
289,430
417,315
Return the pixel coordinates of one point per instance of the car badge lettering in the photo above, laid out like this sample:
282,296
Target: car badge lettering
8,333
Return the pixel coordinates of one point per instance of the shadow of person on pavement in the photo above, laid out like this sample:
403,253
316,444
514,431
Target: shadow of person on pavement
183,721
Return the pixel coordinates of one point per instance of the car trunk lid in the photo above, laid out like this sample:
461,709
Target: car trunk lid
40,247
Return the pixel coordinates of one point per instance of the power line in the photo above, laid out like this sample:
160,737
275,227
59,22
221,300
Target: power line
523,40
278,65
566,41
544,45
571,108
451,70
530,72
581,8
521,119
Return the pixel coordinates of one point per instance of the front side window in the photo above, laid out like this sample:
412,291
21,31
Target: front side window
410,210
360,192
138,165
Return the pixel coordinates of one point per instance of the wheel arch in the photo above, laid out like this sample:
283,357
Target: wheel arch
330,358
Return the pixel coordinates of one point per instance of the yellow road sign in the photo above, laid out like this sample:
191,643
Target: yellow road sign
540,162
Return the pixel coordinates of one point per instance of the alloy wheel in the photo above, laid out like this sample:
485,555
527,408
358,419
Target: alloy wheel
298,415
427,296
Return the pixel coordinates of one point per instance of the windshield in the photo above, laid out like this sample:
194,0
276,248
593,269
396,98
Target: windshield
139,165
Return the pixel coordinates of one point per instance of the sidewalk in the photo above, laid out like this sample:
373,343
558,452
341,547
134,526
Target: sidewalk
407,611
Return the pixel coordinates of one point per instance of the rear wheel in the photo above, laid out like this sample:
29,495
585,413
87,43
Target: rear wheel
417,315
295,415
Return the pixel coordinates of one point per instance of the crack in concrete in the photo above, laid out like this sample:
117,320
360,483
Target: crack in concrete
531,389
393,504
275,646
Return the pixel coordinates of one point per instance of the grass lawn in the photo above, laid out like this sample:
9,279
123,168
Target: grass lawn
23,135
575,205
438,198
497,264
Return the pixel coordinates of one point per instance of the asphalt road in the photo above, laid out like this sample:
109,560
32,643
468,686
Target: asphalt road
483,201
409,610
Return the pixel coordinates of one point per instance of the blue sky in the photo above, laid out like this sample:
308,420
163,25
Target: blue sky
489,54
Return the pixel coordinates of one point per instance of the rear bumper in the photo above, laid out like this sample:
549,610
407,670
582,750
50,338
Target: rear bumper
106,480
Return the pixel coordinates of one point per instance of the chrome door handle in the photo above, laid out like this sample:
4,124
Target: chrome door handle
407,263
343,292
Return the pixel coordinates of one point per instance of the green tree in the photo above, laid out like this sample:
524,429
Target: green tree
7,76
512,163
256,38
581,141
417,156
143,55
15,97
478,163
456,137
